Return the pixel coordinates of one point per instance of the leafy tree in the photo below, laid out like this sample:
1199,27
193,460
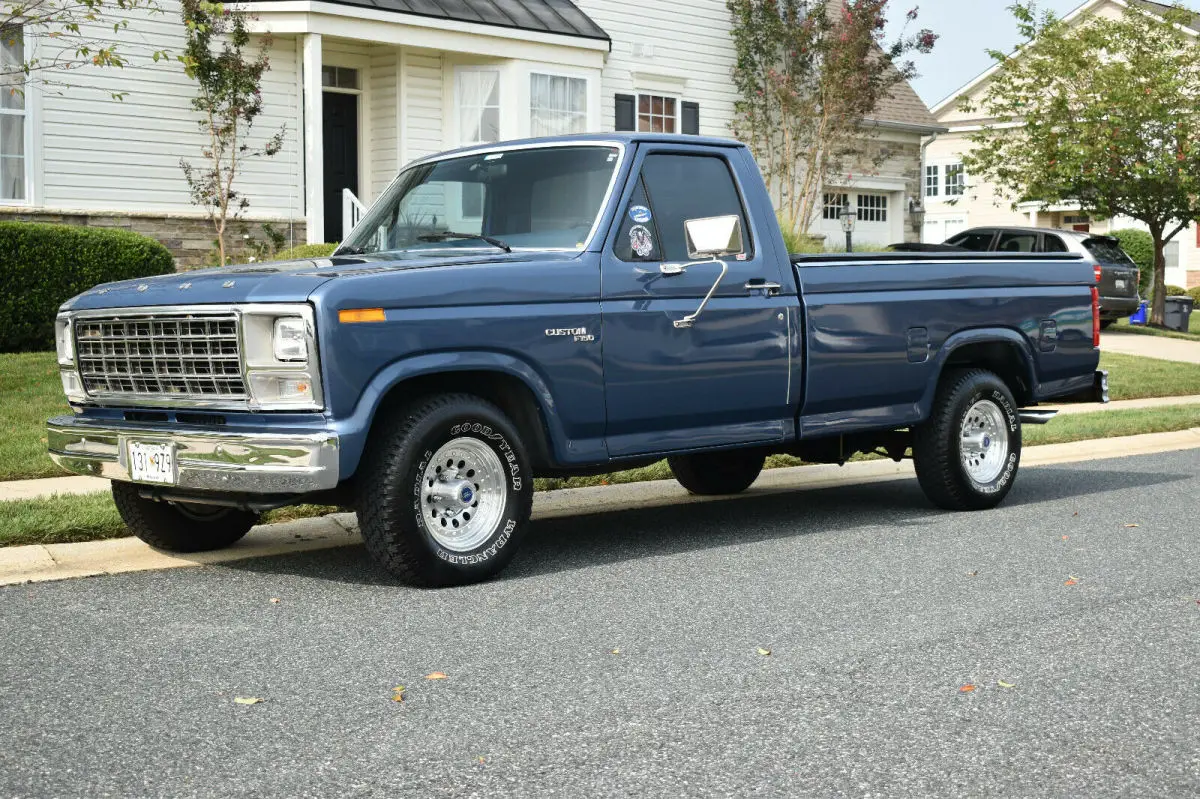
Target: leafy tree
228,100
810,73
69,34
1104,114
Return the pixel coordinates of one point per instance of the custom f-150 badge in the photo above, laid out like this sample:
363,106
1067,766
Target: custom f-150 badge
577,333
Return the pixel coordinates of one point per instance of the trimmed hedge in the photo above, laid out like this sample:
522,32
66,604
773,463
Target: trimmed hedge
305,251
1195,295
1175,291
42,266
1139,246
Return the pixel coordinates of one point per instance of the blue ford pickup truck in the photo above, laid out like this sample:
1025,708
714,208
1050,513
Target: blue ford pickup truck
546,308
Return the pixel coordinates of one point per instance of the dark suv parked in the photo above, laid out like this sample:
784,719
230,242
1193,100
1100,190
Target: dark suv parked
1118,273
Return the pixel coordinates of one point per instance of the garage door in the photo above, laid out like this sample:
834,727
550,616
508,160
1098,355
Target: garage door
875,217
938,229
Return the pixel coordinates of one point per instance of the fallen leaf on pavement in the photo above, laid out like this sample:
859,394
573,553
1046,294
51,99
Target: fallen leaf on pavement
968,688
1133,525
436,675
1004,684
1076,513
398,693
1071,581
1065,537
274,600
973,574
764,652
617,651
246,700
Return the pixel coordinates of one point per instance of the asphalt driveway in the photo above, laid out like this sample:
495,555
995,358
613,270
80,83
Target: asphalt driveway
877,612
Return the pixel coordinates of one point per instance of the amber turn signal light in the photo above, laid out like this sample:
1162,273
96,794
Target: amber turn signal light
361,315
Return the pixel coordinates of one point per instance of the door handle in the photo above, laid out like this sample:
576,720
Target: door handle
758,284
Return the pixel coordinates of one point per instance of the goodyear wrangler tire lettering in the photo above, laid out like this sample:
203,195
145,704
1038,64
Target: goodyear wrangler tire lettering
969,450
458,463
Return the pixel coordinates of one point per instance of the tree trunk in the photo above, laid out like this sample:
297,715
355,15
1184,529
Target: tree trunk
1159,284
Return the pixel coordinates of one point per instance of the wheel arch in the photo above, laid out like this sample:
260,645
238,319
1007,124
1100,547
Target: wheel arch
1002,351
511,384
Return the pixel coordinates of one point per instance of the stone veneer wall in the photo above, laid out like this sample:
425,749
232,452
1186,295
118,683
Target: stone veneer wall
189,239
902,160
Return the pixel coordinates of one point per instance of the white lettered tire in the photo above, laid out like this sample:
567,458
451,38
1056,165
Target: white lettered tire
967,453
445,492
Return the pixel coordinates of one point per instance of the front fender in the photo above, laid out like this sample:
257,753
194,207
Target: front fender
354,429
984,335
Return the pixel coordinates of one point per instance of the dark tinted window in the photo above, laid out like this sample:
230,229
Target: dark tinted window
638,237
1107,252
1017,242
1053,244
978,240
683,187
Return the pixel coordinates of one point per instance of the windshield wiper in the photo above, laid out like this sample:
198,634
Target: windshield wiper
449,234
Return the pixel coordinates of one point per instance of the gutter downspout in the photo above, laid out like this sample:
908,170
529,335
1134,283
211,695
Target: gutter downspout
921,176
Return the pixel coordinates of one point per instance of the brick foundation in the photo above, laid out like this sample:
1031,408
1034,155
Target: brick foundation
1193,279
189,239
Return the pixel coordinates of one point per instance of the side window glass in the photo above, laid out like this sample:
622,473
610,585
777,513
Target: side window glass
1017,242
637,240
978,242
683,187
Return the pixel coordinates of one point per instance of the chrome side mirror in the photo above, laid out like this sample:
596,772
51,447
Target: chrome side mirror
714,236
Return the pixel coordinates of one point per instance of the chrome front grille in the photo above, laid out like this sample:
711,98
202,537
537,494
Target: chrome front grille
169,356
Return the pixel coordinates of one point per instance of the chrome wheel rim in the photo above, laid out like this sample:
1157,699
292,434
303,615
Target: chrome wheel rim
983,445
463,496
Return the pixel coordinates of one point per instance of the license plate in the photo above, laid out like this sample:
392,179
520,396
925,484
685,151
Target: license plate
151,463
1121,284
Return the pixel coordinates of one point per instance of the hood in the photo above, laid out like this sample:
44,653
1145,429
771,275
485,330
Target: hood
285,281
280,281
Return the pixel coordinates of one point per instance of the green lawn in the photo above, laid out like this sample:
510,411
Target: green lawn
30,393
1131,377
1193,334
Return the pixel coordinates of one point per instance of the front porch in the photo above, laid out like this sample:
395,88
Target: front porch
379,89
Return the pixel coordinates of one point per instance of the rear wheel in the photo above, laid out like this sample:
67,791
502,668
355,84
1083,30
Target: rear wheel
180,526
445,492
968,452
714,473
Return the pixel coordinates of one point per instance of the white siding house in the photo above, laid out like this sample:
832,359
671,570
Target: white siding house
364,86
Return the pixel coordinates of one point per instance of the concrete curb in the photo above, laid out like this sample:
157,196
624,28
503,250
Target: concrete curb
39,563
64,486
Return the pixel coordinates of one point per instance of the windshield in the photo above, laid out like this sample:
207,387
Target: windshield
1107,252
547,198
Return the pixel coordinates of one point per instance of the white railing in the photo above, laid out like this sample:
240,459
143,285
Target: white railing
352,211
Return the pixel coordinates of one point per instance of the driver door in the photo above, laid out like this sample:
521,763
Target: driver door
724,380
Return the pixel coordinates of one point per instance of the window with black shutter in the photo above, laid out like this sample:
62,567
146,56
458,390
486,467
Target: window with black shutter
626,105
690,123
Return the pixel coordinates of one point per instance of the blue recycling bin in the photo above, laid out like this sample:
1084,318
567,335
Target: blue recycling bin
1138,317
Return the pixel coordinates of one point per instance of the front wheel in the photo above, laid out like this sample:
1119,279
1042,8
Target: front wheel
180,526
967,452
713,473
445,492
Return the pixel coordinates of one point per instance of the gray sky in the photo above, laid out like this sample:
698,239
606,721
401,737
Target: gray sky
967,29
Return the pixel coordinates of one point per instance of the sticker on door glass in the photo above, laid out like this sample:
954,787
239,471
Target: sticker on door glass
641,241
640,214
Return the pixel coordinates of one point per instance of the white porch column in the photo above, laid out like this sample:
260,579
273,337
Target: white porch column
314,148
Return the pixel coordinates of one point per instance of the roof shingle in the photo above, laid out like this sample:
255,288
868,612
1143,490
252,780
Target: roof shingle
560,17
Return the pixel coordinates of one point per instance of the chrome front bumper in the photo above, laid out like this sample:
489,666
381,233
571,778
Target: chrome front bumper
217,461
